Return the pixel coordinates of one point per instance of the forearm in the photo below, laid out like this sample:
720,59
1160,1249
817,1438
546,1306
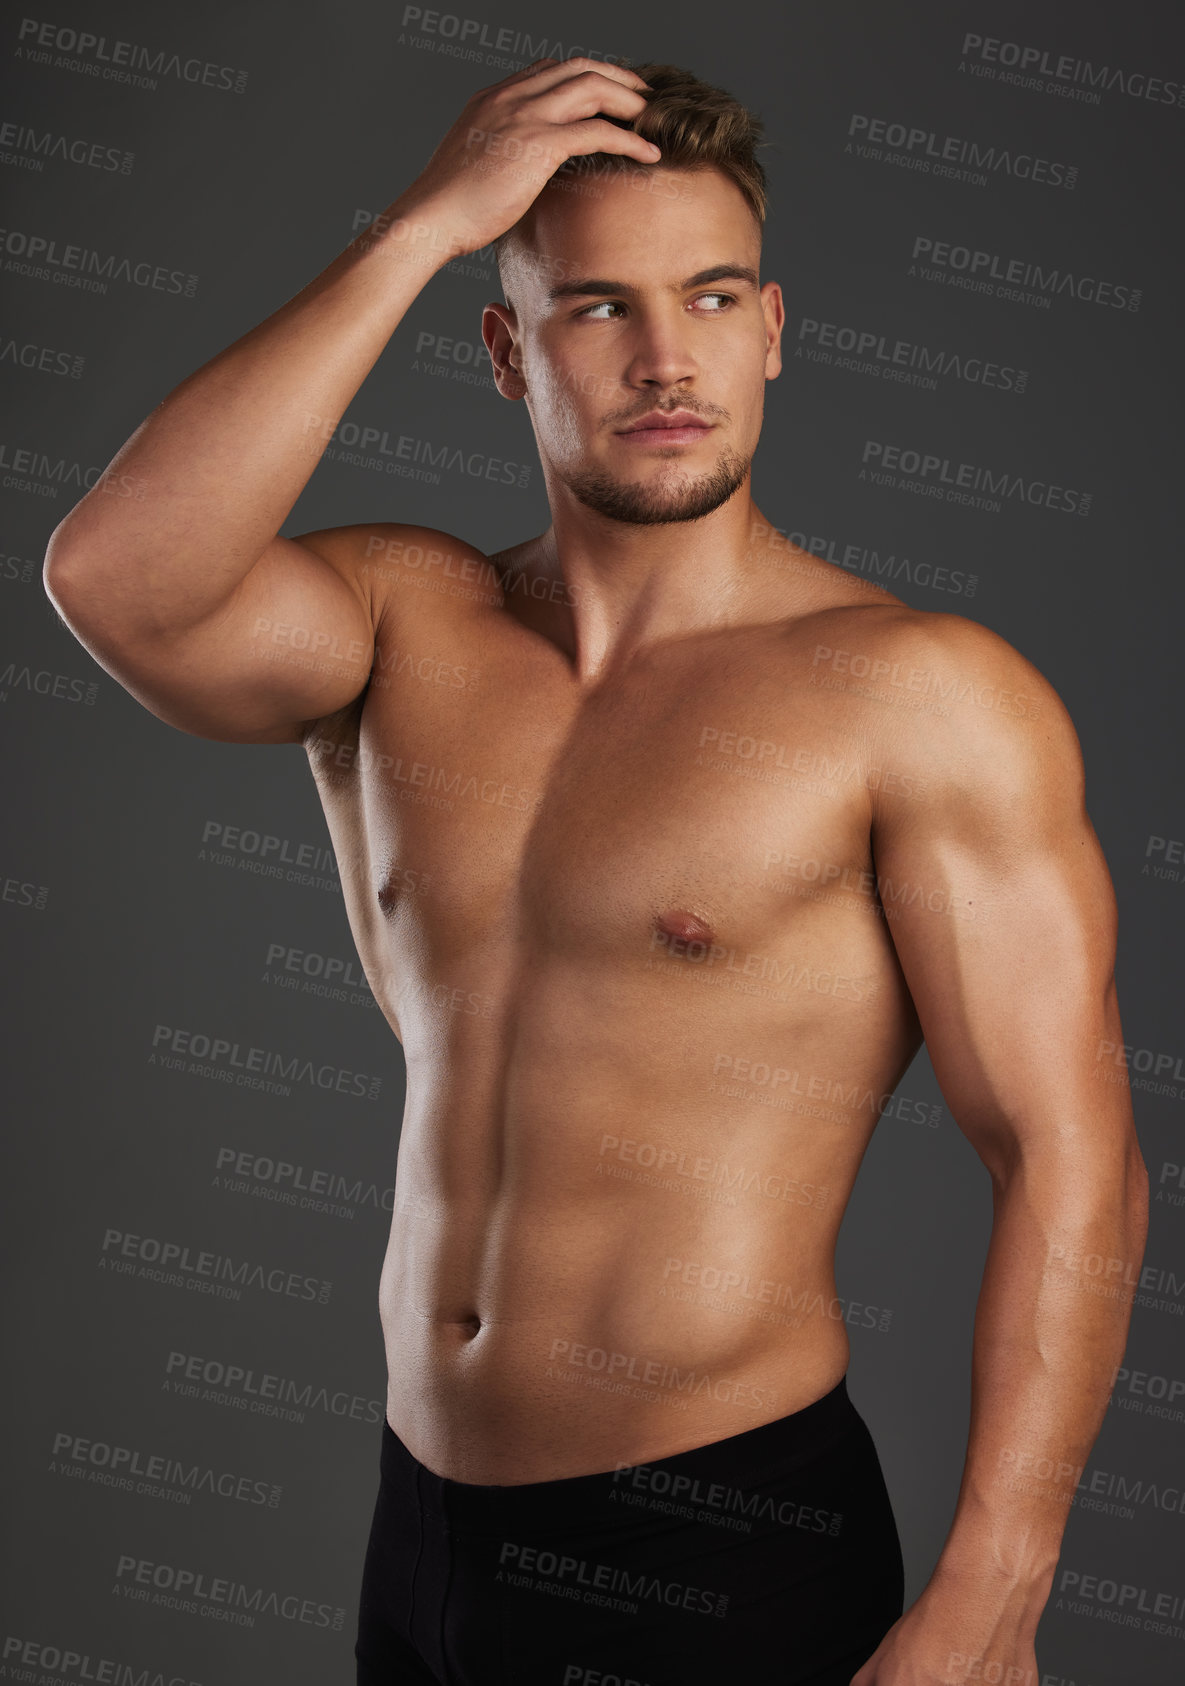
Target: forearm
205,483
1050,1328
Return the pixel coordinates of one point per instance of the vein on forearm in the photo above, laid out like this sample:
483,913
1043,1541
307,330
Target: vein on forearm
1050,1328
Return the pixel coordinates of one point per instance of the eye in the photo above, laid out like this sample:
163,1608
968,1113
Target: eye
604,304
727,301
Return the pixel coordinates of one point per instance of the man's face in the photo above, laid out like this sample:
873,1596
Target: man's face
627,296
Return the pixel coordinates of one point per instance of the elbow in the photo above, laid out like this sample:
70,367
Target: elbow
76,580
56,580
60,569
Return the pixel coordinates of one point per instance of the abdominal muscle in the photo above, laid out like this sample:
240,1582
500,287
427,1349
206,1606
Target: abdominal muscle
542,1397
600,1258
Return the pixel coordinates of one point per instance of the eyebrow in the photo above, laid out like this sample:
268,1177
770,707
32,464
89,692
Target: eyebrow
591,288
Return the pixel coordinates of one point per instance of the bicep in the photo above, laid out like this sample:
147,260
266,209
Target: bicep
294,641
1000,906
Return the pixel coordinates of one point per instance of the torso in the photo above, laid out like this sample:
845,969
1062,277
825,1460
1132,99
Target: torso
649,1006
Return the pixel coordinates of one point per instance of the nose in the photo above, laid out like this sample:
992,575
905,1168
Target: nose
660,353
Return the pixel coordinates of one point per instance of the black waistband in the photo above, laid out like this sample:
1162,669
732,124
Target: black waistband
765,1454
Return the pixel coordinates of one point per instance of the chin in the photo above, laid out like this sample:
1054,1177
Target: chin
655,500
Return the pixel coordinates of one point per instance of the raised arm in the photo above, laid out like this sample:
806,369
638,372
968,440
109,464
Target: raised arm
1008,951
170,569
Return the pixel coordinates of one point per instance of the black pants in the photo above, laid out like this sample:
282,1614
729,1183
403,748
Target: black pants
771,1556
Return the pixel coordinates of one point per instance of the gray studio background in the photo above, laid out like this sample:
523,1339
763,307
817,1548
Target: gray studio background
131,898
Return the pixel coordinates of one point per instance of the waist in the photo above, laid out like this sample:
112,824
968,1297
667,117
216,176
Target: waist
511,1401
719,1476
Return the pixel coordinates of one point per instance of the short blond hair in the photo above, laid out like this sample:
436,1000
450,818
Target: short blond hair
694,125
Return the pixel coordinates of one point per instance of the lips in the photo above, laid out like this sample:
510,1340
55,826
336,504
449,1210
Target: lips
664,419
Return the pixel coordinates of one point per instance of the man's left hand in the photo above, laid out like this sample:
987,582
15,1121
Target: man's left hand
923,1649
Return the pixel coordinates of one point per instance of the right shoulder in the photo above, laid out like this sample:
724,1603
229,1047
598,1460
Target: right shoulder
400,569
404,576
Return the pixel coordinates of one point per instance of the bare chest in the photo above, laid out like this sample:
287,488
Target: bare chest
485,804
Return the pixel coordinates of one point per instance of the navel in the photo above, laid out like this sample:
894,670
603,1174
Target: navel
680,926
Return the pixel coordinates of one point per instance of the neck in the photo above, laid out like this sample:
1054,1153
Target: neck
602,589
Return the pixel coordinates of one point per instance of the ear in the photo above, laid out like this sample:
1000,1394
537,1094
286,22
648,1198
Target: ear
774,312
499,330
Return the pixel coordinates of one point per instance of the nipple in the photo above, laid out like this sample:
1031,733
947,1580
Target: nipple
682,927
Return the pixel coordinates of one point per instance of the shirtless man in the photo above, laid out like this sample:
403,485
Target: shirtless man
663,844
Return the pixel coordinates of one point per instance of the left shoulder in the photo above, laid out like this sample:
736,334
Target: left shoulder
962,703
928,651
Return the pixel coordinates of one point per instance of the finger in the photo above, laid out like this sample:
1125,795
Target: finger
584,96
599,135
546,73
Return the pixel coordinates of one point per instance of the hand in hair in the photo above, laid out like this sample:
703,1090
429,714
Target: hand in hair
512,137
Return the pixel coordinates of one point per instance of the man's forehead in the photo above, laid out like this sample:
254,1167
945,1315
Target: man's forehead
657,277
637,236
